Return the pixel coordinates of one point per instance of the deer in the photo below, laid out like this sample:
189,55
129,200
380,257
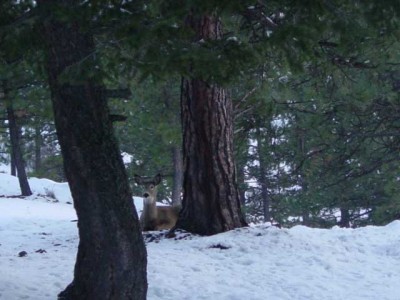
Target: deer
155,217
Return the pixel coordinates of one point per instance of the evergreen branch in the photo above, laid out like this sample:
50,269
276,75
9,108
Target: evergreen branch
118,93
27,16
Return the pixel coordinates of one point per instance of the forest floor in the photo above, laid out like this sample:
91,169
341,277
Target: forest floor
39,238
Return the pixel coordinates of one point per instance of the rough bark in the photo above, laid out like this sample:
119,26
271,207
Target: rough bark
16,155
211,201
111,259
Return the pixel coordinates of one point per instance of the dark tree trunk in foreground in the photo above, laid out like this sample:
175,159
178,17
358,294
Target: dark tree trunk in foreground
111,259
211,201
16,152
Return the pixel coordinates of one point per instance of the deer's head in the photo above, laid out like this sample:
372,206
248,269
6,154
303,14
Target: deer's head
155,217
150,186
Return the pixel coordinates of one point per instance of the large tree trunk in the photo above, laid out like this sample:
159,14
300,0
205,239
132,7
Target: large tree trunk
16,152
111,259
211,201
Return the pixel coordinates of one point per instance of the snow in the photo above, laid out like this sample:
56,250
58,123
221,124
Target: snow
259,262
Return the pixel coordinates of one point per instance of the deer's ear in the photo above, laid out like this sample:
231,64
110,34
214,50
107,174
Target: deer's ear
157,179
137,179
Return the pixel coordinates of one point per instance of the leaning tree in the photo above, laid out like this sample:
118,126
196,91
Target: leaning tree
111,259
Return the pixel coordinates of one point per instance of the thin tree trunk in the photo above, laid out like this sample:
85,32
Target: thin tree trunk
111,259
176,150
13,168
178,176
38,148
301,149
241,184
344,218
263,178
16,152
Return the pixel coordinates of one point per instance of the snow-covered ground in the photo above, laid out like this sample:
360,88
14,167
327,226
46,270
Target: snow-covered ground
255,263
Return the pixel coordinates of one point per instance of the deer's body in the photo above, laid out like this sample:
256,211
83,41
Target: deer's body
158,217
155,217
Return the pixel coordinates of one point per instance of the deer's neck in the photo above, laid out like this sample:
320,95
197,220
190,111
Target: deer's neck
149,209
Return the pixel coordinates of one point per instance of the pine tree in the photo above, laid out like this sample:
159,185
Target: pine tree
108,225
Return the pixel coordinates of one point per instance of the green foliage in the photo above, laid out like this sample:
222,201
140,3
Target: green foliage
151,130
51,168
335,143
316,83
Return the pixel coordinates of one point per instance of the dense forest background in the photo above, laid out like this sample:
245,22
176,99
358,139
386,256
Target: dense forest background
317,126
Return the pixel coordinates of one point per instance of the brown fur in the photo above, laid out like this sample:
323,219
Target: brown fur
155,217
